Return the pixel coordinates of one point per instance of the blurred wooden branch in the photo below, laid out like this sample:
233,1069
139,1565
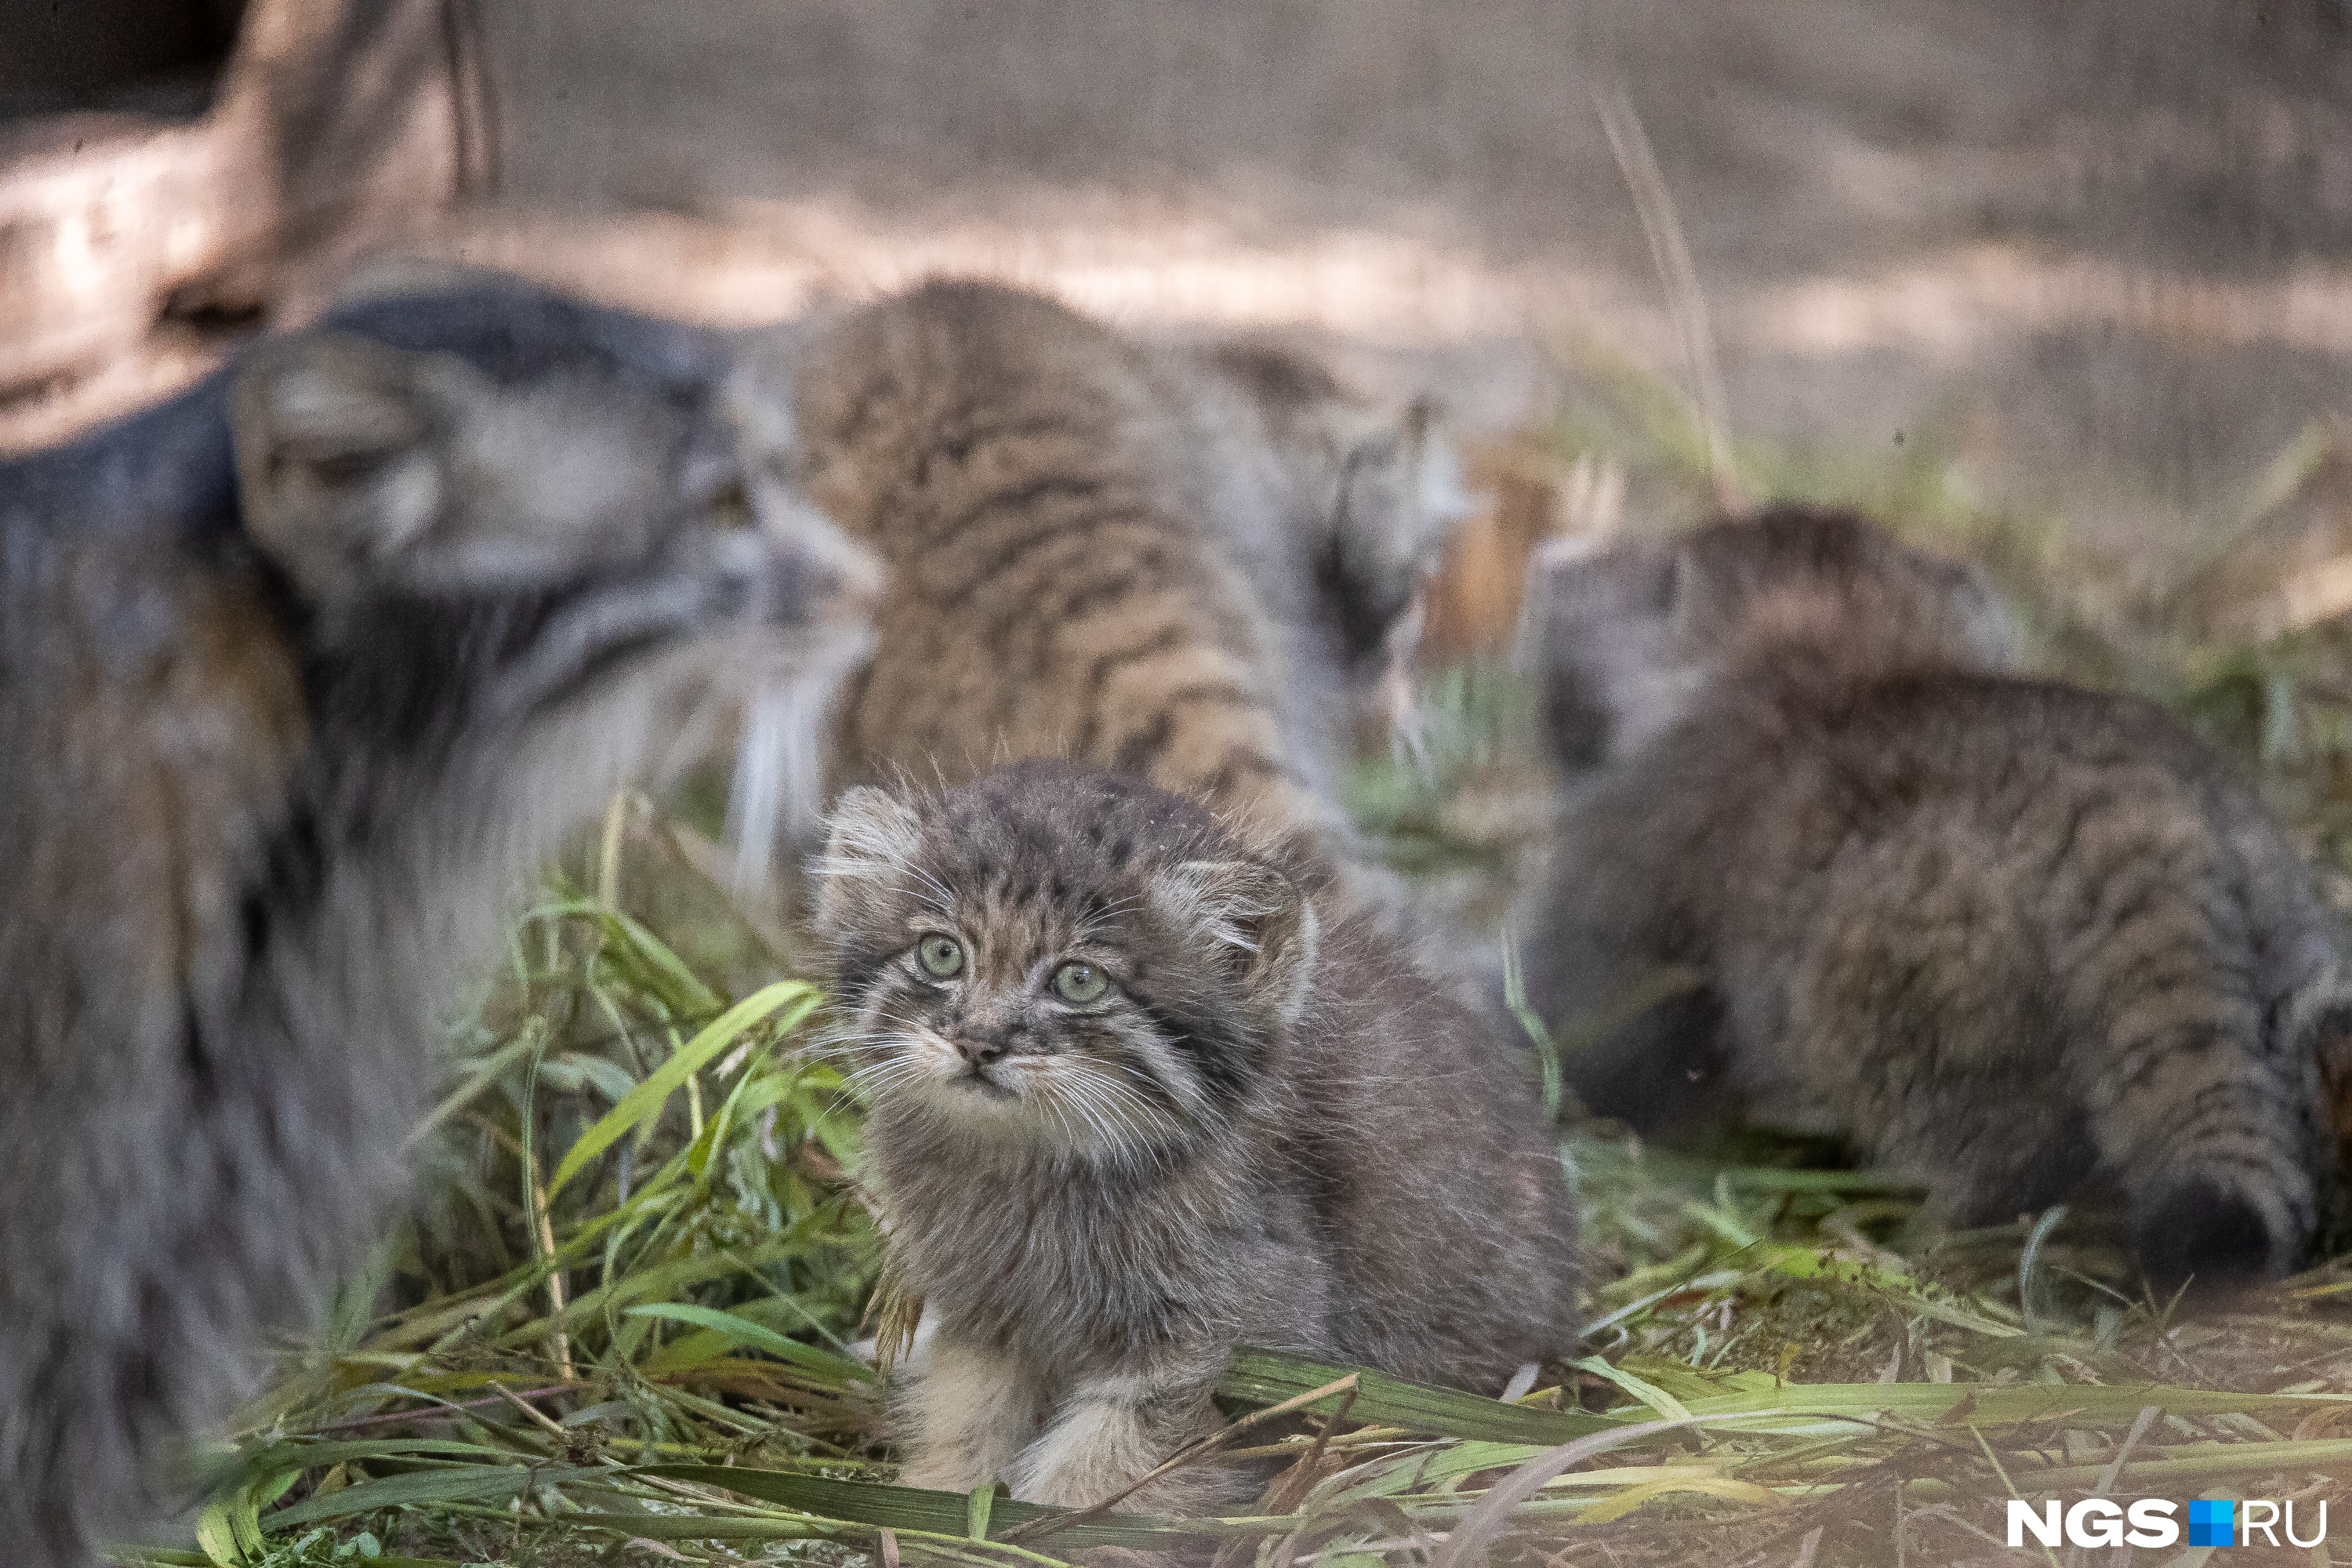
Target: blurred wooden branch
134,240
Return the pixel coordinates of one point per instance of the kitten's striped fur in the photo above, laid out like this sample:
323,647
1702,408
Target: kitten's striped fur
1173,564
2017,939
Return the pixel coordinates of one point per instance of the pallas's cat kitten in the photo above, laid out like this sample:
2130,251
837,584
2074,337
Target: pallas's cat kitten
1140,1095
2025,942
1183,563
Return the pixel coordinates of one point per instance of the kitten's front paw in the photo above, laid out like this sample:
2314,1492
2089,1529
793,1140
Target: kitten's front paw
1089,1457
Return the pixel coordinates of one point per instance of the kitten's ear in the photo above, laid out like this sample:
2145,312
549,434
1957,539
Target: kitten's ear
1601,633
1253,917
338,461
873,836
1401,500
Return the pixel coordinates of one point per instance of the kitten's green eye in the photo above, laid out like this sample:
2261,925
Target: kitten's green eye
1079,984
939,955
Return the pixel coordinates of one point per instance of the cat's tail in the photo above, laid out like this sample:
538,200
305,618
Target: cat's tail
2207,1103
2134,1017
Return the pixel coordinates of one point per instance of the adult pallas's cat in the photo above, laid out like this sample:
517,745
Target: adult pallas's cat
299,672
1178,563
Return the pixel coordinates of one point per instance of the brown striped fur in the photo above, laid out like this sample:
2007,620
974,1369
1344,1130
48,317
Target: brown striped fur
1175,564
2019,939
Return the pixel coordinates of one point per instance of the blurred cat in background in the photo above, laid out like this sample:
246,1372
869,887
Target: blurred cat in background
1184,565
298,673
2012,938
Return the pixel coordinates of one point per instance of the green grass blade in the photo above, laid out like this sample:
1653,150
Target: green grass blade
218,1536
743,1332
645,1100
1258,1377
300,1455
686,992
906,1508
1989,1407
470,1483
2331,1454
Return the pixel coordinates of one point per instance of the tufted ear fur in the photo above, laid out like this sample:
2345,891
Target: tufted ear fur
873,836
339,460
1255,920
1400,501
1382,488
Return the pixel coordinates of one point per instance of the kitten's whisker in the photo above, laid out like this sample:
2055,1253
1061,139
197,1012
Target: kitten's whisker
941,899
1052,1101
1107,1104
1079,1102
1179,1087
1053,1095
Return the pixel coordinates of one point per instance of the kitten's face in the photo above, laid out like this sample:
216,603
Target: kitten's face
1057,959
1022,1018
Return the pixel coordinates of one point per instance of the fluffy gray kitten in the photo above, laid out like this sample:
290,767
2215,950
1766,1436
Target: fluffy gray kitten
2020,940
1140,1095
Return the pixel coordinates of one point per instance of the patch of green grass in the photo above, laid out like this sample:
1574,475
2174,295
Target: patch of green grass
639,1247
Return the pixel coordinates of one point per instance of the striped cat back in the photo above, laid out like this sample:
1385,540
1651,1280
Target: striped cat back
1180,564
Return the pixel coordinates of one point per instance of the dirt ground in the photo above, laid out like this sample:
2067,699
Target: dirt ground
2101,253
2105,249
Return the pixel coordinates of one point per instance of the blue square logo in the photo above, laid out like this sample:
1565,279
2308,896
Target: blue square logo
2212,1522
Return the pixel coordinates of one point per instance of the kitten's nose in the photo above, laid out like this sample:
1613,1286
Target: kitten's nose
980,1052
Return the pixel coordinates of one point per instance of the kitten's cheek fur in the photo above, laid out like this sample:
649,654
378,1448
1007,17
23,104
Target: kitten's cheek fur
940,1061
